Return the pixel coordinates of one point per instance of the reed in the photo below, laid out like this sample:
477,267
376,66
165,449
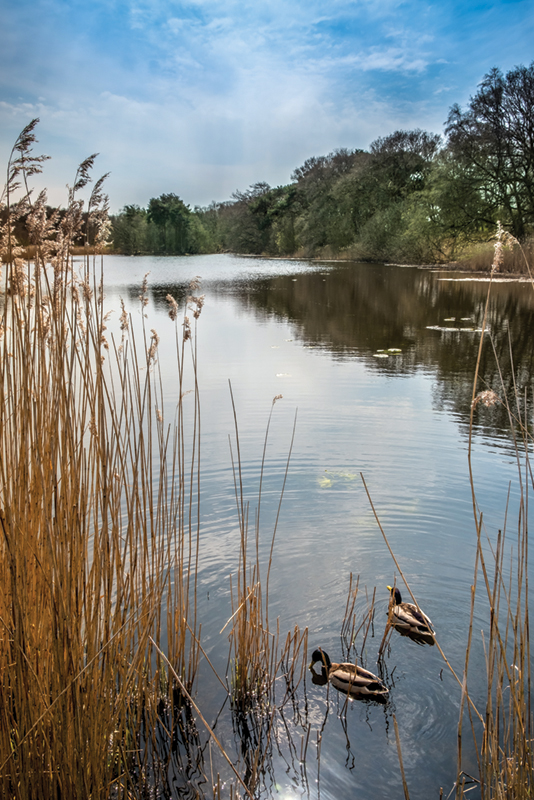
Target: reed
504,742
352,625
258,659
515,260
98,515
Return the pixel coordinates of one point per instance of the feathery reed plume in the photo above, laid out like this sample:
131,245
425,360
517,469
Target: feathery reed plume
98,537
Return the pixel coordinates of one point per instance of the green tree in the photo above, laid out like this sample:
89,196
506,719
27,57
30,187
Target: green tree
172,218
401,164
129,230
326,206
379,193
242,230
494,141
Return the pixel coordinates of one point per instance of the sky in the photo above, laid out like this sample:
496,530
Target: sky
206,97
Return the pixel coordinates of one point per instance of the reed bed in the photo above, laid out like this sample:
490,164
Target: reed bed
99,537
503,743
515,260
98,497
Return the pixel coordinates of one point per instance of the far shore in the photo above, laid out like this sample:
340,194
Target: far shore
480,265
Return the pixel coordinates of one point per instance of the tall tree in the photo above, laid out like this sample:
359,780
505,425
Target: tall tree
129,229
171,216
401,162
494,140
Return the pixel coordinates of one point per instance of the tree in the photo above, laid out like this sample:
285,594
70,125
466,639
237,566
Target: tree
242,230
494,141
129,228
401,163
326,199
171,216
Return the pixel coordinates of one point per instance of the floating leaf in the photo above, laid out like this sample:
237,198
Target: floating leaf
329,478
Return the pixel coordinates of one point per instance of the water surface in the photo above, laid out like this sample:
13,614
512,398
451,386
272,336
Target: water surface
379,362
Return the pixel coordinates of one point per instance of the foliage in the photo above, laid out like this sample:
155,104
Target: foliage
412,197
166,227
493,140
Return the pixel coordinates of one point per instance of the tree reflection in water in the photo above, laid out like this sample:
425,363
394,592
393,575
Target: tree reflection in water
432,316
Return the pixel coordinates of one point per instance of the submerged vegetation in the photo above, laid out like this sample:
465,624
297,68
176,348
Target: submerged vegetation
99,553
413,197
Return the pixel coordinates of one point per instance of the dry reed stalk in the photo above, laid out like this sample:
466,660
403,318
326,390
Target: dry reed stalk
504,749
350,629
401,765
254,647
97,531
256,657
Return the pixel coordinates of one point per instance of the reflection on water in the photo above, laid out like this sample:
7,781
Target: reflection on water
379,361
416,319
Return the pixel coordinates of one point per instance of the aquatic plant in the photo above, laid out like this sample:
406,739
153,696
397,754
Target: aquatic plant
504,743
257,657
98,505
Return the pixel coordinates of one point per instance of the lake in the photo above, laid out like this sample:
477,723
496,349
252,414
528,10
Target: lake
378,362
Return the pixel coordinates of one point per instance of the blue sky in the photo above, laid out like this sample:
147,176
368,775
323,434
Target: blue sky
205,97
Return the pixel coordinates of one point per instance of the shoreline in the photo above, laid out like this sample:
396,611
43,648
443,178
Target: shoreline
453,266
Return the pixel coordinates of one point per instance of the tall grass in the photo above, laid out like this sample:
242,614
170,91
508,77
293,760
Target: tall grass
258,659
99,534
515,260
503,743
98,497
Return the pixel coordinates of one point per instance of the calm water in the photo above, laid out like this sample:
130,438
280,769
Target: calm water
319,334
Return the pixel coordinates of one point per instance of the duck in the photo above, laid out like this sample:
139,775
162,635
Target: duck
349,678
407,618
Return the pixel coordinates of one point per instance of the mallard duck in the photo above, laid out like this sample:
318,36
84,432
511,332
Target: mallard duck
349,678
406,617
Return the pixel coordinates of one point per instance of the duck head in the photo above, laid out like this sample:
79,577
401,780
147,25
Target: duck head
395,595
320,656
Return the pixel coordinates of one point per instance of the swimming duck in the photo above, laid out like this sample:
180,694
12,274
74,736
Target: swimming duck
349,678
406,617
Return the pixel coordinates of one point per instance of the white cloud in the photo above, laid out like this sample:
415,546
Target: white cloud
208,96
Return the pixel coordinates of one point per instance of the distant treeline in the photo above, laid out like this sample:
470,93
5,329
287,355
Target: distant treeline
413,196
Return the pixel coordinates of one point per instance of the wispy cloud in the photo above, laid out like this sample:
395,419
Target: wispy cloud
206,96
